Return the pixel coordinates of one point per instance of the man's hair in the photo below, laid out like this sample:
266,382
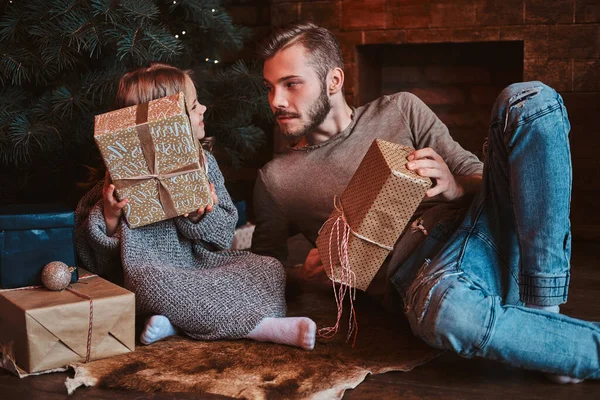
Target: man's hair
321,45
150,83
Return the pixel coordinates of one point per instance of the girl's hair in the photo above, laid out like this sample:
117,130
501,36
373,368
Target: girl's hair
149,83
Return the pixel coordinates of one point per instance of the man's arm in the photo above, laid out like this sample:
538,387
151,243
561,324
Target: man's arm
272,224
426,162
456,172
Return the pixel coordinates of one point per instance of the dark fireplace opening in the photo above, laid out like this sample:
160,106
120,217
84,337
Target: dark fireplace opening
458,81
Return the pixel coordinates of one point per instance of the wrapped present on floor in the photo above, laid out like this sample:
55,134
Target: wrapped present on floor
31,236
43,329
154,160
370,215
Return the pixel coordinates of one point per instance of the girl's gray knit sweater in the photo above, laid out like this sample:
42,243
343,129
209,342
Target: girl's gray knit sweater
182,270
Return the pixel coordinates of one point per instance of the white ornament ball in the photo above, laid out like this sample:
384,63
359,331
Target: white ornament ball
56,275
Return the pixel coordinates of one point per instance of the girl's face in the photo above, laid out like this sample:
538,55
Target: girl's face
195,109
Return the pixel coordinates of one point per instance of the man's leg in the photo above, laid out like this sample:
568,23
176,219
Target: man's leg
512,248
528,183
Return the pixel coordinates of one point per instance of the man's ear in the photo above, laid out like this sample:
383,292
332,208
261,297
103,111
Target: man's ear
336,81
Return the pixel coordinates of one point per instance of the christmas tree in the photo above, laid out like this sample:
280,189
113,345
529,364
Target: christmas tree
60,61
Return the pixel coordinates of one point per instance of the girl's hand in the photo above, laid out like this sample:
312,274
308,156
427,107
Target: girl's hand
197,215
112,207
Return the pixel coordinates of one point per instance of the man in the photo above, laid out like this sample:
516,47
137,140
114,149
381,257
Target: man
486,281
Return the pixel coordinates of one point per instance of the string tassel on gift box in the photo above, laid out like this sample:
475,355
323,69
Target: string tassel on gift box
339,234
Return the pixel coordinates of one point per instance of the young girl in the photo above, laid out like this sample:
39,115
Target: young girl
179,268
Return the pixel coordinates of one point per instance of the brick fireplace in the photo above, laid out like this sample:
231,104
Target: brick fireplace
458,81
457,54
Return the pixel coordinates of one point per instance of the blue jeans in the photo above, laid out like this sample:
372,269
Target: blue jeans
464,289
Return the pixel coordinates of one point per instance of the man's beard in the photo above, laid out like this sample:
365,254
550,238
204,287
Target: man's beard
316,115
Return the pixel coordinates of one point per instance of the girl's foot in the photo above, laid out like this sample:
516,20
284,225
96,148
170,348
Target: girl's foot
157,327
292,331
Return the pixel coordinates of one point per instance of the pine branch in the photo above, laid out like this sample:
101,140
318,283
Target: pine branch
12,25
81,31
42,105
64,102
58,56
163,43
130,45
12,100
106,11
209,17
57,7
99,85
143,12
5,145
27,138
14,63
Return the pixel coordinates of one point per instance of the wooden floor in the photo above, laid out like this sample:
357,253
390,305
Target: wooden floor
447,377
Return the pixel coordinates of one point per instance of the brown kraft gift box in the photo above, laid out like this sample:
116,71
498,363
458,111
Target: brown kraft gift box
377,204
44,329
154,160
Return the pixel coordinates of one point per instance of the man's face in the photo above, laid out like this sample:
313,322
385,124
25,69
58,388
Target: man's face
297,95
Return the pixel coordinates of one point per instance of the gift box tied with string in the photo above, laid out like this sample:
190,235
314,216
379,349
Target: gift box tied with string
370,215
154,160
42,329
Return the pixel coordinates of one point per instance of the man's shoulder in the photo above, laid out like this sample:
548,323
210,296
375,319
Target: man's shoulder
275,169
398,100
401,98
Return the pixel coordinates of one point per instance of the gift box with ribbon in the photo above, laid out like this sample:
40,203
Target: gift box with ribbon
367,220
41,329
370,215
154,160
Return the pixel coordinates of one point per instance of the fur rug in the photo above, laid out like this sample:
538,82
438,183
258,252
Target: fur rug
254,370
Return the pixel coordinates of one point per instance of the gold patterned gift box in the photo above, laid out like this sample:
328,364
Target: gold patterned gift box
154,160
371,214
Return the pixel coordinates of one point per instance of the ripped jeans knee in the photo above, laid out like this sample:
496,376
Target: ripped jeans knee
449,312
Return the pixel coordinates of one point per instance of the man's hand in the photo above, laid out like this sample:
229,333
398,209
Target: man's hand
197,215
427,163
113,208
313,271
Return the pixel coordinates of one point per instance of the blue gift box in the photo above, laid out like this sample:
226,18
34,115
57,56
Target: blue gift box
31,236
241,209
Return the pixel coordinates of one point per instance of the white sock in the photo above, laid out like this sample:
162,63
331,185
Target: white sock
157,327
562,379
554,309
292,331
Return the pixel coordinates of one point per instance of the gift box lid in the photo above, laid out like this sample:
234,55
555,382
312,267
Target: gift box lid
35,216
113,122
